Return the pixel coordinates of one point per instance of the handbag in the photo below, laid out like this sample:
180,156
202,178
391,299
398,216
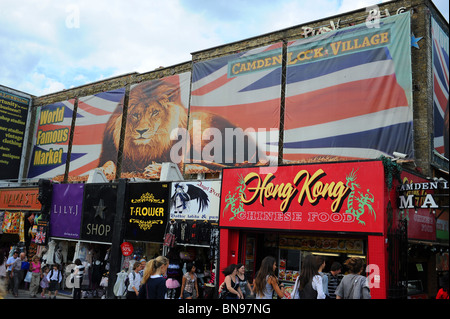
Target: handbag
28,277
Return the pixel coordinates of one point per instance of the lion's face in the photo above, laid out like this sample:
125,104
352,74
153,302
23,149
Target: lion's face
145,122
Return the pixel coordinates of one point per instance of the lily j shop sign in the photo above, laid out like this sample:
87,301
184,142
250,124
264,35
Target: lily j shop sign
327,197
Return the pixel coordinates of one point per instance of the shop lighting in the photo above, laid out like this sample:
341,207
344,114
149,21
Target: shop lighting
326,254
356,256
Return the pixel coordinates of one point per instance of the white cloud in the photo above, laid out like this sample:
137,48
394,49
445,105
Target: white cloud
71,43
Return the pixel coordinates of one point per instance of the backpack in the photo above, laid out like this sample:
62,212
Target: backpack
127,280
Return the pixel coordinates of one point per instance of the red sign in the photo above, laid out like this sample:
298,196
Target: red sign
326,197
421,221
127,249
19,199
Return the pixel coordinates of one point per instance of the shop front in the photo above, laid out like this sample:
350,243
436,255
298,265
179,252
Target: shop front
145,221
19,217
194,216
422,206
332,210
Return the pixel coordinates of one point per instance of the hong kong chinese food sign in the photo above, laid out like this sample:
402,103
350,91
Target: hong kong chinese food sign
325,197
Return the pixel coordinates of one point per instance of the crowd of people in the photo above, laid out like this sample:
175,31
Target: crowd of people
16,270
312,283
147,280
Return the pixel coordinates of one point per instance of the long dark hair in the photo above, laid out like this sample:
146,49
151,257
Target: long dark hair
309,270
229,270
265,270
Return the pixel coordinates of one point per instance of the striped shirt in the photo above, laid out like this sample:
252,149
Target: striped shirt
333,282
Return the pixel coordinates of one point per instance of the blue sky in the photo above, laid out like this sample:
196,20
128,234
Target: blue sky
48,45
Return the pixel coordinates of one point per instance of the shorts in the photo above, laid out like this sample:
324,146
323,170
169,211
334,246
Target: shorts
187,294
54,285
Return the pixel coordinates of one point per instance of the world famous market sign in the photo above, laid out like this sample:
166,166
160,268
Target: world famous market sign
326,197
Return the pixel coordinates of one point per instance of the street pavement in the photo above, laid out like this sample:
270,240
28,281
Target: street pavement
25,294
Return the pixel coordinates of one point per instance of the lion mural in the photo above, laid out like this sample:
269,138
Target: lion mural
155,110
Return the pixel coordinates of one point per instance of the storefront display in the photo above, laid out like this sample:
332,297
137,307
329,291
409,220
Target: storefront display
334,210
194,214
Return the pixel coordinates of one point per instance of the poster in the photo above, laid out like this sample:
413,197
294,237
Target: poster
99,210
349,94
235,110
51,141
155,109
66,210
421,221
345,196
13,121
93,114
147,211
440,88
195,200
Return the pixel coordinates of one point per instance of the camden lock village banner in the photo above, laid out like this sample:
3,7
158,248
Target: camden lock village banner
99,210
325,197
147,211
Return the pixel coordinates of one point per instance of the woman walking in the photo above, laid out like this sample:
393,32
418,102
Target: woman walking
35,268
153,283
266,282
309,283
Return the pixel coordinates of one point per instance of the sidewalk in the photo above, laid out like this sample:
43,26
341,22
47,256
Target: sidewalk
25,294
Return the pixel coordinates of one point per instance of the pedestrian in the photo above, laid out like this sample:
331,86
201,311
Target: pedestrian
189,285
266,282
9,275
353,285
143,262
230,286
44,281
3,276
17,273
334,279
35,269
309,284
54,278
153,283
443,291
78,273
321,262
134,279
246,289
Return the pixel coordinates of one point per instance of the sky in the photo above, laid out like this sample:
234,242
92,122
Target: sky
47,46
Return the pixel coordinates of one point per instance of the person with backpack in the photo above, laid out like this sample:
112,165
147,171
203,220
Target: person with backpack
54,278
334,279
133,281
353,285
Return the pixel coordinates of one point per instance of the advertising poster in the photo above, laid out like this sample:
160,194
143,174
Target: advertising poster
147,211
421,217
20,199
197,200
155,109
66,210
235,110
322,197
440,88
51,141
99,210
13,121
93,114
349,93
